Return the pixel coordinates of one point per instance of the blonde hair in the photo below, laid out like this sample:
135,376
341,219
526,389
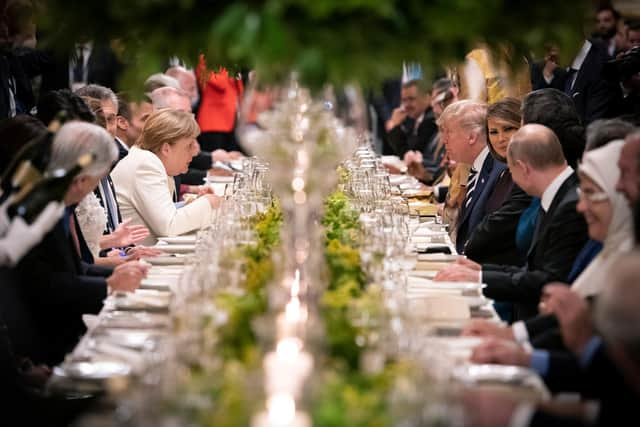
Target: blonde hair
470,115
167,126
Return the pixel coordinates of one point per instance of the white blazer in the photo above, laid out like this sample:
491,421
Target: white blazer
144,192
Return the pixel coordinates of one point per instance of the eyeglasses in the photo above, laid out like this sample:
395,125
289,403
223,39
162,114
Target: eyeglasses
590,197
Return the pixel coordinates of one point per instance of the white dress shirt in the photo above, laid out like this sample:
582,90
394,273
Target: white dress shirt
552,189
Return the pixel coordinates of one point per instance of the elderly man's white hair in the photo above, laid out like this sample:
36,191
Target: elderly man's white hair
158,80
169,97
75,139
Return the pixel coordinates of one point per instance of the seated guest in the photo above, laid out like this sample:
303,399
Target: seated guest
412,125
539,168
510,228
607,368
498,247
609,222
464,131
56,286
143,179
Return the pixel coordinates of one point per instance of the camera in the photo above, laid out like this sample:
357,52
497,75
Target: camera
625,66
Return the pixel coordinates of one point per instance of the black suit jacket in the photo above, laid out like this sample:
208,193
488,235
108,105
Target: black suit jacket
22,65
104,69
555,246
402,139
594,95
472,215
538,81
494,239
55,287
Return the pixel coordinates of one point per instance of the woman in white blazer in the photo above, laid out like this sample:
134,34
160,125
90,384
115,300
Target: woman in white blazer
144,178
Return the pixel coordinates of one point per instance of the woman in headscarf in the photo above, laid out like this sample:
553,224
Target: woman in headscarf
607,214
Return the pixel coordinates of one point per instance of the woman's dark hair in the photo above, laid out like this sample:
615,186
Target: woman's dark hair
63,100
15,133
508,110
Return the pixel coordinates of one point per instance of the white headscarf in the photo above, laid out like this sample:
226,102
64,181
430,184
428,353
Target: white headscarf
600,165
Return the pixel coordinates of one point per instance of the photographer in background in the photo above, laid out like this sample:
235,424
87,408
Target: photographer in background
626,68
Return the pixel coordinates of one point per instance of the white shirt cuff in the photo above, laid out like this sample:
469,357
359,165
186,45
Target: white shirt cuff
520,332
522,415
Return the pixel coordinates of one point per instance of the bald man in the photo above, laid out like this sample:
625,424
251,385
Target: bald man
539,167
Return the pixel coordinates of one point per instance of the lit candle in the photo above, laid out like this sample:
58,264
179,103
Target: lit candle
287,367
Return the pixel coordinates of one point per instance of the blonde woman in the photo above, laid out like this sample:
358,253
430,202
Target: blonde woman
144,182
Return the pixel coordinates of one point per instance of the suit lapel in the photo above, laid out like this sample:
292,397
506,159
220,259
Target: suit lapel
483,175
543,228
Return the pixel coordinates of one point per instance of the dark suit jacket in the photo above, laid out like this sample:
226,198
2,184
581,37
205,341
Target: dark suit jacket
494,238
104,68
402,139
122,152
556,244
110,227
470,216
538,81
595,96
55,287
22,65
20,327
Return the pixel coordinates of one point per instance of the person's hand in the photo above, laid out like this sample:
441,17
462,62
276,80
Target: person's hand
483,408
137,252
573,313
220,155
398,116
125,235
418,171
127,277
485,328
501,352
466,262
412,156
214,200
457,273
204,189
219,172
235,155
392,170
20,237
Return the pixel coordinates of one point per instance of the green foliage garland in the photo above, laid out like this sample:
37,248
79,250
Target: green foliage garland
326,41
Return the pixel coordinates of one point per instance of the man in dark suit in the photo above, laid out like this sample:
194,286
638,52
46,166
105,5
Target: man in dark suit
494,239
88,63
603,368
56,286
538,167
594,95
412,125
465,138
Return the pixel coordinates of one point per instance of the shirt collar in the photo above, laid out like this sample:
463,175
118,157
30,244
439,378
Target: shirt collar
552,189
480,158
580,57
122,144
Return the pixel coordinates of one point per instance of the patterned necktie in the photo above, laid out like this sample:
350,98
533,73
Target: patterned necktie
109,203
471,186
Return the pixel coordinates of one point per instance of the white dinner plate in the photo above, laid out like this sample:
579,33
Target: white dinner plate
421,282
98,370
166,260
219,178
178,240
176,249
